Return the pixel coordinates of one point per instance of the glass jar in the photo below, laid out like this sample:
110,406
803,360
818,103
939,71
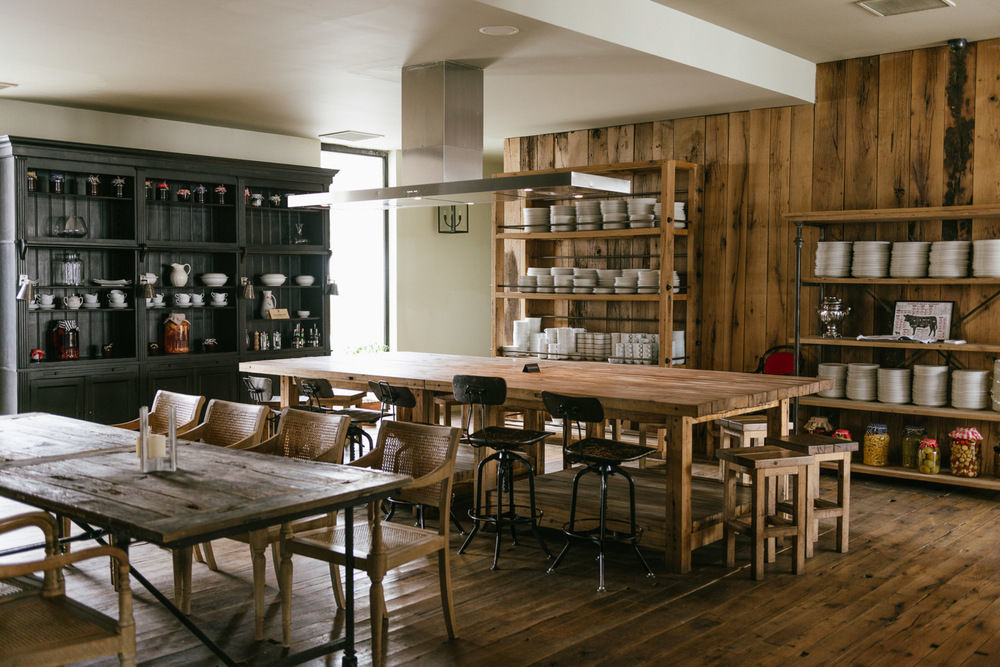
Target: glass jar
876,445
66,340
177,334
57,184
68,269
912,435
929,457
966,452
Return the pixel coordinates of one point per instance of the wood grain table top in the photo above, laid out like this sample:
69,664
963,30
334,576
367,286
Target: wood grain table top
91,472
640,389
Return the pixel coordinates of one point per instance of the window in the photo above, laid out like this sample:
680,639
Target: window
359,261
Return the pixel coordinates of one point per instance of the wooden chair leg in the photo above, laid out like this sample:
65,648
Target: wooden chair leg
210,556
447,601
376,595
812,523
801,505
285,586
729,513
844,500
338,589
64,528
258,545
182,578
757,522
771,483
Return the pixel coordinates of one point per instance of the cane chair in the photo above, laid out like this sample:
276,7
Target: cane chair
425,452
320,391
39,625
187,410
231,425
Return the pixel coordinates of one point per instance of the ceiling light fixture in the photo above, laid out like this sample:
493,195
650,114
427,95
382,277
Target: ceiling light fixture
499,30
885,8
349,135
7,85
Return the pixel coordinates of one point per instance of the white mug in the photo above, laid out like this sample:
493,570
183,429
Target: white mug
90,298
116,296
46,299
158,299
218,297
198,299
182,299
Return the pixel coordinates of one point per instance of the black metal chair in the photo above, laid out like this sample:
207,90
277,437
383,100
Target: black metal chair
604,458
316,389
508,443
259,391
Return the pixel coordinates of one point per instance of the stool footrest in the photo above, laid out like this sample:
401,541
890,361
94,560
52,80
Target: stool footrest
610,534
521,514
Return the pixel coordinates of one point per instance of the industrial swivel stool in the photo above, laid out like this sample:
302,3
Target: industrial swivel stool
604,458
509,445
824,448
317,390
765,465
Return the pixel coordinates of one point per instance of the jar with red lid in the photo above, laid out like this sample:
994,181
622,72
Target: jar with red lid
66,340
929,457
966,451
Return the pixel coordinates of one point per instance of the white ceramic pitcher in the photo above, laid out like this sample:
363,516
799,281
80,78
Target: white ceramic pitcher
179,275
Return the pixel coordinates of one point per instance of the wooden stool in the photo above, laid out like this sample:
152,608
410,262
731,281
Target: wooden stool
823,448
342,398
765,465
443,403
742,431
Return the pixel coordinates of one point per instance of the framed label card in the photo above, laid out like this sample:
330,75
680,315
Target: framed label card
277,314
923,320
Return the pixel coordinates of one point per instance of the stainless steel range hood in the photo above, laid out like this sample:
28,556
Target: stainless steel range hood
442,137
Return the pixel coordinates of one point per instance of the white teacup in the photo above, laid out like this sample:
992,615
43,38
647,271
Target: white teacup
198,299
219,298
72,301
158,299
90,298
182,299
46,299
116,296
150,278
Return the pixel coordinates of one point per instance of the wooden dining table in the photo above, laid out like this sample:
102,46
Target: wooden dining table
90,473
671,399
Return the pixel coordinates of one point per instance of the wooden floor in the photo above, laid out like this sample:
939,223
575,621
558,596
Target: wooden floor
921,584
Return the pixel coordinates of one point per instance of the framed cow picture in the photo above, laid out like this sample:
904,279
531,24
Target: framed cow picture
923,320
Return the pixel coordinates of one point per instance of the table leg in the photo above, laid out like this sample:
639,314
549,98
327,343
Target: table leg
349,659
423,412
287,385
258,544
678,480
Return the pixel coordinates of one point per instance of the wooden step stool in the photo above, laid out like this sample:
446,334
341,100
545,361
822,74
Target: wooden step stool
824,448
742,431
765,465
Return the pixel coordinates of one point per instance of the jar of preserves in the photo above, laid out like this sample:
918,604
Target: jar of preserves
66,340
177,334
876,445
912,435
966,451
929,457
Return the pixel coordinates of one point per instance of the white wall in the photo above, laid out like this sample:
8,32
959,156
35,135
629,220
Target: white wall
442,281
46,121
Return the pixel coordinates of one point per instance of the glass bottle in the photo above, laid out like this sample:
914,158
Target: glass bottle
876,445
966,452
912,435
929,457
68,269
177,334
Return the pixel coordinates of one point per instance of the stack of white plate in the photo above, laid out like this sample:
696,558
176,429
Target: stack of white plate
970,390
986,258
833,259
561,270
909,259
894,385
930,385
527,283
871,259
680,213
949,259
588,215
563,217
649,281
584,285
606,281
676,282
837,373
678,349
640,212
626,284
539,271
995,393
658,214
546,283
861,383
536,219
614,213
563,284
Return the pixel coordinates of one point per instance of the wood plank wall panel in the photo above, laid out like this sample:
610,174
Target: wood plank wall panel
916,128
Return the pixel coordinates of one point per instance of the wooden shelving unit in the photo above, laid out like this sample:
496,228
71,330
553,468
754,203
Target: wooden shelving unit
971,295
664,248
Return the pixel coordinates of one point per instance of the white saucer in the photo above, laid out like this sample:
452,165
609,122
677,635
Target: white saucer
220,305
118,305
91,305
46,307
32,306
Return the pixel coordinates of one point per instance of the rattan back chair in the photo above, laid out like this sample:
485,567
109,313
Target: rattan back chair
39,625
187,411
232,425
428,454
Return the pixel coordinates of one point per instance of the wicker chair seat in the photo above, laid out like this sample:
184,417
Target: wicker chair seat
32,621
502,437
400,543
605,452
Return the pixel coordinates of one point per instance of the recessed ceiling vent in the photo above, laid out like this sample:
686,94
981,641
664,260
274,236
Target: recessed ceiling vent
350,135
894,7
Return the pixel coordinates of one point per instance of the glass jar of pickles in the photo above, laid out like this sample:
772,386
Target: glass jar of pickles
876,445
966,451
929,457
912,435
177,334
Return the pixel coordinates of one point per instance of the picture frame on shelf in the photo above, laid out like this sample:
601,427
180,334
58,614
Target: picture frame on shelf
923,320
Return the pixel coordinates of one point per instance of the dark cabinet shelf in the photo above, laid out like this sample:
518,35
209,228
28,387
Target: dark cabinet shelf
68,195
57,242
153,203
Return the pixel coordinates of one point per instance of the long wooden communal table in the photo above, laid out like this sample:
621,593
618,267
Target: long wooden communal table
90,473
674,397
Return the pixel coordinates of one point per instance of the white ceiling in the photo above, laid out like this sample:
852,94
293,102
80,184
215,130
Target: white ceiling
305,67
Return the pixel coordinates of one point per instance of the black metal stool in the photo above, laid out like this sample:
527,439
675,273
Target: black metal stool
602,457
316,389
508,444
259,391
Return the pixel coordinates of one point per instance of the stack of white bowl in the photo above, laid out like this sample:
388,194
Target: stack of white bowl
833,259
584,281
626,283
676,282
894,385
539,345
563,284
606,281
678,347
648,281
640,212
871,259
930,385
588,215
536,219
680,214
861,383
593,346
837,373
522,335
546,283
658,214
970,390
614,213
563,217
949,259
909,259
986,258
527,283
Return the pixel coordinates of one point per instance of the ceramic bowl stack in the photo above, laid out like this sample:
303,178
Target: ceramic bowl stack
626,283
861,382
658,215
588,215
833,259
680,214
648,281
536,219
539,345
930,385
584,281
970,390
522,335
678,349
949,259
614,213
837,373
606,281
909,259
527,284
676,282
592,346
871,259
562,217
563,284
894,385
640,212
986,258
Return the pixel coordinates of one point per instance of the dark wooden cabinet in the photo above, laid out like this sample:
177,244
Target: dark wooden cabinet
143,212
